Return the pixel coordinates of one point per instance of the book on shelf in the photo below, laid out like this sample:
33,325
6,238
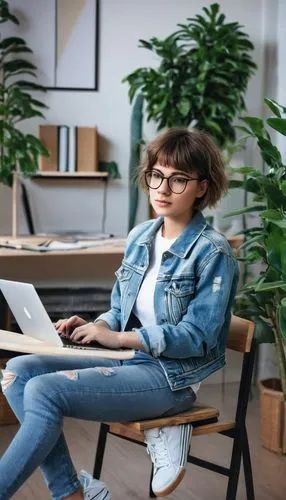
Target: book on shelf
72,149
63,160
49,136
87,149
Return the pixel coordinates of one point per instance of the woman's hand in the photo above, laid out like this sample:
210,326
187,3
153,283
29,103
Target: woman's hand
65,327
93,332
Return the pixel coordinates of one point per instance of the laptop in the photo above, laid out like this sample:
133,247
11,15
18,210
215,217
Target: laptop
33,318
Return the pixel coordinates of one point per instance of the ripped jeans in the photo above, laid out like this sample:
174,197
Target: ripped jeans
42,390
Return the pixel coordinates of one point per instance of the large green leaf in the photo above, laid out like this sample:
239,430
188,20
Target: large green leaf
11,41
255,124
282,319
271,286
37,145
275,246
251,240
274,106
283,187
280,223
247,171
263,331
278,124
233,184
245,210
28,86
5,14
271,214
253,185
273,193
16,65
184,106
269,152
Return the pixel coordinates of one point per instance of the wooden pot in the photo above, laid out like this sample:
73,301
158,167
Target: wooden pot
272,416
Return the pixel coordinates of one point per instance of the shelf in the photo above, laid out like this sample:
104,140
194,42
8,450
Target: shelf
71,175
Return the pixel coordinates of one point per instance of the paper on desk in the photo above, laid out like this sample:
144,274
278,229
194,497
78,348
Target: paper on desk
58,245
69,245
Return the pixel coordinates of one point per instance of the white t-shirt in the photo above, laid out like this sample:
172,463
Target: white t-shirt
144,305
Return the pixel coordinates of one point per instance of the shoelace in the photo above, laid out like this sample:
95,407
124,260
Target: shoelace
158,452
100,494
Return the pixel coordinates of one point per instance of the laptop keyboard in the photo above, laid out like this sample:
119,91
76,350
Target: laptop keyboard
92,345
74,345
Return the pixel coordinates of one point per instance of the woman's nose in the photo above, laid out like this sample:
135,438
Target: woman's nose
164,188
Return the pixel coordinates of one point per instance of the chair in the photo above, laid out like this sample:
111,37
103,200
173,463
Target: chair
205,420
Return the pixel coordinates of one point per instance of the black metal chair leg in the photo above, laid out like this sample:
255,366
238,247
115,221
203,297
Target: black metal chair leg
234,469
151,493
103,431
247,468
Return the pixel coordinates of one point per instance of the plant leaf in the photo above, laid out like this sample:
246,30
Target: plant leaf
278,124
271,214
271,286
255,124
263,332
274,106
282,319
239,211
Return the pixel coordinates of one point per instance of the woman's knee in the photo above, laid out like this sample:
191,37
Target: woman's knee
20,366
35,388
41,397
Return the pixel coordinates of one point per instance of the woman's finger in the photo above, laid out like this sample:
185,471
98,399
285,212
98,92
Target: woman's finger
60,324
78,333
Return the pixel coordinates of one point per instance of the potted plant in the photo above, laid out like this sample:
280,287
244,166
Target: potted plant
190,87
263,298
19,151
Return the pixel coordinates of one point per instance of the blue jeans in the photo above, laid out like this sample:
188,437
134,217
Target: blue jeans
42,390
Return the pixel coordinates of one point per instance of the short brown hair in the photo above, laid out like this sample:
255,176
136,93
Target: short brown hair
188,150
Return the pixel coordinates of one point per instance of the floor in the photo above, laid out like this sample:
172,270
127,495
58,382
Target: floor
126,466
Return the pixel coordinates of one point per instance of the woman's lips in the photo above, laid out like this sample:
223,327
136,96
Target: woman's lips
162,203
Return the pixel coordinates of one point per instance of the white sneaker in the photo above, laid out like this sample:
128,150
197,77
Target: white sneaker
93,488
168,448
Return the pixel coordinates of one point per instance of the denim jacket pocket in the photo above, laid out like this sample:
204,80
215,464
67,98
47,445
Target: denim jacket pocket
123,275
179,293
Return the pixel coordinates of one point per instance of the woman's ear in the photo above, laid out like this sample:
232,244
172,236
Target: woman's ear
202,188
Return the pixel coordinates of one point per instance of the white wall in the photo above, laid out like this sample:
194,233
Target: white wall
281,69
122,23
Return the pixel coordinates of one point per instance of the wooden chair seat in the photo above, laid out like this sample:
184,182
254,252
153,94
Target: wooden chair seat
123,430
198,412
135,430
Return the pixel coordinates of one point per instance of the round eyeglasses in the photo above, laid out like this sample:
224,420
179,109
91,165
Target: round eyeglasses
177,183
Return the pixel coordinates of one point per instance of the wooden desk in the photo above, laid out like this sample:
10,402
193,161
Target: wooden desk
72,267
14,342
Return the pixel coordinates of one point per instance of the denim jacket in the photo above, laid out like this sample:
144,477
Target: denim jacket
193,295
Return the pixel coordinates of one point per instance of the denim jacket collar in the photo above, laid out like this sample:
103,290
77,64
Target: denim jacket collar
185,240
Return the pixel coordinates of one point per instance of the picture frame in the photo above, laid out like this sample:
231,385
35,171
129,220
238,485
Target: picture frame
66,53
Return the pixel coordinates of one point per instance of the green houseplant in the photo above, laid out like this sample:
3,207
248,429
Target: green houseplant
19,151
263,298
191,85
